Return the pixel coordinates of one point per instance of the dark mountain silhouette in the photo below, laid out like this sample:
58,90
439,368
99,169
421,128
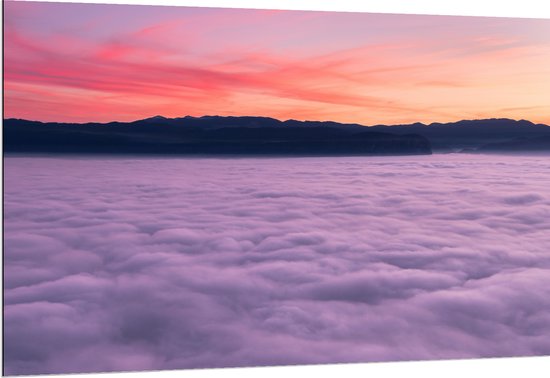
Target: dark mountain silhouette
470,134
534,145
207,135
263,135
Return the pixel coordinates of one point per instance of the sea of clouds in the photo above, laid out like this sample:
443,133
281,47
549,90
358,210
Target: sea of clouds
129,263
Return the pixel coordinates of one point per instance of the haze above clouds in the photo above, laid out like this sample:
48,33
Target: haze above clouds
130,264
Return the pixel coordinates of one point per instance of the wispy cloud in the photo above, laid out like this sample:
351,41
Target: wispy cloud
341,66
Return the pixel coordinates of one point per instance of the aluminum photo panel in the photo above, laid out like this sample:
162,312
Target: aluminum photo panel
190,187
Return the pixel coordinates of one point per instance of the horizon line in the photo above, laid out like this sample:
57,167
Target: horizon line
280,120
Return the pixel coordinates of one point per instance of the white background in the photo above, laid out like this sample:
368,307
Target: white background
502,8
504,367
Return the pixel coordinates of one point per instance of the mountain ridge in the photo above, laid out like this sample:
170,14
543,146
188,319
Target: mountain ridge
210,135
159,117
463,135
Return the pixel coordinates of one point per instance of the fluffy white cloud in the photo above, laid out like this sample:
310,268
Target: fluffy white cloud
125,264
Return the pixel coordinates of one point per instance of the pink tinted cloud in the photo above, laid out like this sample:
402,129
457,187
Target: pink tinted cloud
118,264
282,64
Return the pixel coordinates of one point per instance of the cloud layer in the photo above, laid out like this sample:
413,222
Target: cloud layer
130,264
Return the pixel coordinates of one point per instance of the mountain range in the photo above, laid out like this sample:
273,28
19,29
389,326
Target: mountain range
263,135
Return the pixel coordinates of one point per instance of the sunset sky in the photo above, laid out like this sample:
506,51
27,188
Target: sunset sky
84,62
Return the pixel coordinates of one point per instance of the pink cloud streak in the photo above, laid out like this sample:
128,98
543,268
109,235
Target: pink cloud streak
211,62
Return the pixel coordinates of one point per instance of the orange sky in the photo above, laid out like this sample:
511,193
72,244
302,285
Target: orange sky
83,62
